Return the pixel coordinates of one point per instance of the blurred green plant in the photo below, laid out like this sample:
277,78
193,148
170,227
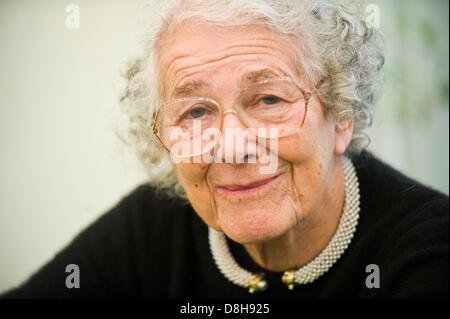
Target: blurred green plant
421,68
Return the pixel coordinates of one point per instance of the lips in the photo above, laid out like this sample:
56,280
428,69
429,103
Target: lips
242,189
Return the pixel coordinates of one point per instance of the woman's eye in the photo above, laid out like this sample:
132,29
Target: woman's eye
197,112
269,100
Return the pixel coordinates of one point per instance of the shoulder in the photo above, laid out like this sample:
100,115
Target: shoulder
407,224
144,220
383,188
117,254
381,178
143,207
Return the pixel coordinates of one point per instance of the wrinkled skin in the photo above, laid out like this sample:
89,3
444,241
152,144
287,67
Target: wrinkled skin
288,221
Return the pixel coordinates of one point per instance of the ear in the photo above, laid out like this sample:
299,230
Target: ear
343,136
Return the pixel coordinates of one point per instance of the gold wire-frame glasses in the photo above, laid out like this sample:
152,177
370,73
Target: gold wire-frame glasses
306,95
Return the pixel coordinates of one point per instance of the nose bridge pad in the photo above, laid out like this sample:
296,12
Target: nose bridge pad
236,114
237,146
229,111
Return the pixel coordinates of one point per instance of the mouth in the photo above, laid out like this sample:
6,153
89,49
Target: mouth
241,190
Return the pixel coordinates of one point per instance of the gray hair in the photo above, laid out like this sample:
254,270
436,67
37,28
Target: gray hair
334,41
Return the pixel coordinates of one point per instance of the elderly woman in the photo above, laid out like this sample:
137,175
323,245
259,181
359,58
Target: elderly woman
250,118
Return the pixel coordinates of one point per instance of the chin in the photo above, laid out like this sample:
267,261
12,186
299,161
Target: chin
252,225
254,234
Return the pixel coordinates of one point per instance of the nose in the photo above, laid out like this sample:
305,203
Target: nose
237,146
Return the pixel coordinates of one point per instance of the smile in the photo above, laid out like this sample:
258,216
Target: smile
241,190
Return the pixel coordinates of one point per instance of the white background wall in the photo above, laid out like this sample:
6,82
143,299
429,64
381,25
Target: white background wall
62,164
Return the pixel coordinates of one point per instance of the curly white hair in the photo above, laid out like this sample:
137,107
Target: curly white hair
334,41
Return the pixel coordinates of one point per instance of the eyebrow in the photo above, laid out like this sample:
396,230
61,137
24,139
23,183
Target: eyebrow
191,87
188,89
257,76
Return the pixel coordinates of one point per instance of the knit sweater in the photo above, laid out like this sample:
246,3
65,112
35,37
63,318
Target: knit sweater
154,247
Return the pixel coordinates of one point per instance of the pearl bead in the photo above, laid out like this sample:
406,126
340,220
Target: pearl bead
262,285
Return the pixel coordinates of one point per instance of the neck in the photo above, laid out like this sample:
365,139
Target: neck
310,236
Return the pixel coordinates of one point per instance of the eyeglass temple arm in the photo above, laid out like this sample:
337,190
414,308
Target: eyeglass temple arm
155,128
316,88
308,96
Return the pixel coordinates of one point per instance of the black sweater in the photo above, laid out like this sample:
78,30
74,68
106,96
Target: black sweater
148,246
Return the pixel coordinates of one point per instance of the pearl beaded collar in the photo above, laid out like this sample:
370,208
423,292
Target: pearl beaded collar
315,268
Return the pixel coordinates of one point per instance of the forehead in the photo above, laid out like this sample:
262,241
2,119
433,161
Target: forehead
197,55
192,87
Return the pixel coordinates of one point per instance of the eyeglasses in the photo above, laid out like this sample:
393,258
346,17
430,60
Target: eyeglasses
192,126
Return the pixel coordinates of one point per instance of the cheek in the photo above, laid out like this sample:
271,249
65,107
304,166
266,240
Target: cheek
190,174
192,178
310,153
315,138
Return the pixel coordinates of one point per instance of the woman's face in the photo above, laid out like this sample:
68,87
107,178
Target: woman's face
248,206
